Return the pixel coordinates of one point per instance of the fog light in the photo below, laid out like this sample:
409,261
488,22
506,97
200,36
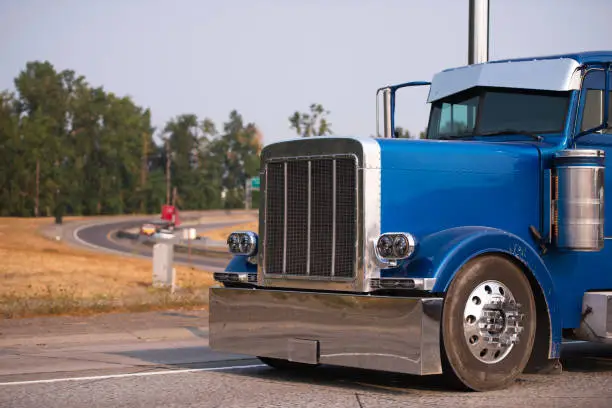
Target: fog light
394,246
242,243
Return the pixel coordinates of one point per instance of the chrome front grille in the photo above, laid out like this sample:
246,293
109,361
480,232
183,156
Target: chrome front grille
311,217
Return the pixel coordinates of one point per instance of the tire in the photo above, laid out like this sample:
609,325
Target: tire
462,347
280,364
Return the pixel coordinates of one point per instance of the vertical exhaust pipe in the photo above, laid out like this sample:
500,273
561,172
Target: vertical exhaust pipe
478,42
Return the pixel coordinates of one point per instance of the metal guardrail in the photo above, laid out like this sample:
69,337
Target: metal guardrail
179,246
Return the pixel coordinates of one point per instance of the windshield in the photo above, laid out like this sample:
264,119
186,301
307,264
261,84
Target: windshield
482,111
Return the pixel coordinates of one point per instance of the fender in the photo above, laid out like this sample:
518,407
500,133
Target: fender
240,263
442,254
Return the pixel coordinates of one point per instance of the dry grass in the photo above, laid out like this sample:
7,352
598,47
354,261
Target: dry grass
222,233
39,277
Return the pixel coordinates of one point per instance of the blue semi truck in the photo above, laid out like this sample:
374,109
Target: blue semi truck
471,253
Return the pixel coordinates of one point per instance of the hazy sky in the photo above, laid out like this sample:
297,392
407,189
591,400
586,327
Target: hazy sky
268,58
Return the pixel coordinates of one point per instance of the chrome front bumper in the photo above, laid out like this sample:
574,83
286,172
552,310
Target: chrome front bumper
397,334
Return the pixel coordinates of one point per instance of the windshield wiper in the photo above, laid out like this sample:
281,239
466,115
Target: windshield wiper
512,132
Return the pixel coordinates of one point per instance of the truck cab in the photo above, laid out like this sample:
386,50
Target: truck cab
469,253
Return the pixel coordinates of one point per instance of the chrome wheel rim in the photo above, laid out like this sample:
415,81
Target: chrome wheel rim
492,322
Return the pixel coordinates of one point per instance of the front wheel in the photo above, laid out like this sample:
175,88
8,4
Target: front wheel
488,324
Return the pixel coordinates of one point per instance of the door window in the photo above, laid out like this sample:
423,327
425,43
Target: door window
592,115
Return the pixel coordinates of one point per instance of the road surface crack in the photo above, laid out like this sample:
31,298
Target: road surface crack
358,400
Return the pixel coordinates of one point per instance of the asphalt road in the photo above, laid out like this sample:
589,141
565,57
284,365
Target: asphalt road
163,359
100,235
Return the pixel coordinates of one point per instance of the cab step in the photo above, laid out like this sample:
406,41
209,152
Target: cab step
597,316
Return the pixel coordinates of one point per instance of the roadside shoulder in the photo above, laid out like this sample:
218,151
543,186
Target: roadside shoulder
145,326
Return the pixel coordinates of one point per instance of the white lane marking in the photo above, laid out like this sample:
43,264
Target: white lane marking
145,374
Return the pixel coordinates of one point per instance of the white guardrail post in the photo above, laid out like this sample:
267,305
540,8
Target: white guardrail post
163,269
164,273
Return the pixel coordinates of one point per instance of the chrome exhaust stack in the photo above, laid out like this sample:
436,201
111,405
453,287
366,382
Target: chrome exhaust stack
478,40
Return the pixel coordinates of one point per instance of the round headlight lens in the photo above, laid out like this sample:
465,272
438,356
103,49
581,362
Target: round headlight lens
400,246
385,246
245,243
233,241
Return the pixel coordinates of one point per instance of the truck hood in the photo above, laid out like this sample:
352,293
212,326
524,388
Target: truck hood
429,186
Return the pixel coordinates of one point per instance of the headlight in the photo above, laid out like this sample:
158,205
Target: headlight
393,246
242,243
385,246
401,247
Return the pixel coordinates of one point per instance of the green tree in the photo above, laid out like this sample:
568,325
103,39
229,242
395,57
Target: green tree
70,146
42,139
184,138
402,133
310,124
13,169
234,158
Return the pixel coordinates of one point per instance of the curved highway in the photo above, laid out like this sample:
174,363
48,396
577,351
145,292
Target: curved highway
99,236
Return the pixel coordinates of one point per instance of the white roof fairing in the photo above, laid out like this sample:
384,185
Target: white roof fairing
545,74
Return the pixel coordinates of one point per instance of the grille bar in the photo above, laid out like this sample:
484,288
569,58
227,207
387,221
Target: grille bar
285,222
333,252
309,216
311,207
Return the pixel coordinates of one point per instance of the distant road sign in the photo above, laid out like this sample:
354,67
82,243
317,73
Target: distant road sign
255,182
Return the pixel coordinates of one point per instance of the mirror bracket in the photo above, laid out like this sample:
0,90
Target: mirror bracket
604,124
389,107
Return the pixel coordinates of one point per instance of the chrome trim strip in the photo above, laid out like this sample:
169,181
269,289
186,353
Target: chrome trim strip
419,283
408,327
576,79
581,153
425,283
233,277
310,278
545,74
333,254
309,216
371,213
312,157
